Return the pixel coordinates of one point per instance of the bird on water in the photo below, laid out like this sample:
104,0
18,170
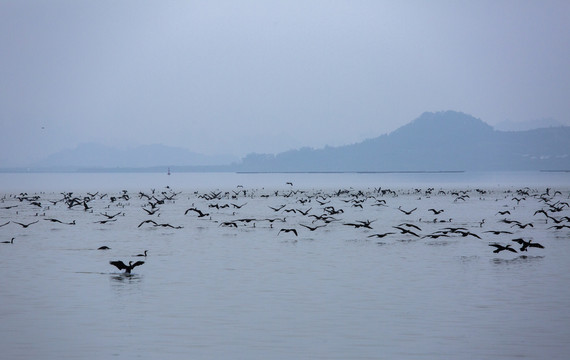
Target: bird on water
122,266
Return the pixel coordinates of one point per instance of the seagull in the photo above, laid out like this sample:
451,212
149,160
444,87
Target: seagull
121,265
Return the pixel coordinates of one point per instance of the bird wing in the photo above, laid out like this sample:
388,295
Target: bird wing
137,264
537,245
119,264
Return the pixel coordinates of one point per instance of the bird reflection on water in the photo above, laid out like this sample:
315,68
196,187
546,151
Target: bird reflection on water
523,259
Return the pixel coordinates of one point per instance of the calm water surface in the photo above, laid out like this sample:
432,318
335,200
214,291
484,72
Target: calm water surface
208,291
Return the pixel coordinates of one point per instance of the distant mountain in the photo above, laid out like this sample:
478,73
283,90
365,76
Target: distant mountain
442,141
509,125
99,156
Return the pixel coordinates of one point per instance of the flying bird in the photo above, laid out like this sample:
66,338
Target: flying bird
501,248
294,231
199,212
527,244
407,212
25,225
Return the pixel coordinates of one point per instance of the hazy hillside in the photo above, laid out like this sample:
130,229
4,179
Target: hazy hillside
441,141
99,156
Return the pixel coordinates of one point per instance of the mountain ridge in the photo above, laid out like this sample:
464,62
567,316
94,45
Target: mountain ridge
441,141
435,141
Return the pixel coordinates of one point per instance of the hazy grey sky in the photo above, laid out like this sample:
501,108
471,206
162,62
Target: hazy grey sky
267,76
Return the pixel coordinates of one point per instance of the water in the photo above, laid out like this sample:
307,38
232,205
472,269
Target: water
209,291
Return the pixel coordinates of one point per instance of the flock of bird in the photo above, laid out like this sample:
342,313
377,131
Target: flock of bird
292,213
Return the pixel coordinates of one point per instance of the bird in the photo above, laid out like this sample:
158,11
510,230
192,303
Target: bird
407,212
498,232
143,254
105,221
381,235
104,247
25,225
436,212
527,244
410,225
522,226
312,228
501,248
8,242
277,208
147,221
405,231
151,212
199,212
294,231
121,265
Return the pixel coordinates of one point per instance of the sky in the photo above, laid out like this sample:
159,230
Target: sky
236,77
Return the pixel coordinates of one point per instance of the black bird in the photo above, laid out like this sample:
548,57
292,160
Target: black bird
522,226
121,265
407,212
143,254
294,231
466,233
151,212
148,221
405,231
8,242
311,227
25,225
276,209
111,216
527,244
105,221
104,248
498,232
200,213
504,212
410,225
436,212
501,248
381,235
